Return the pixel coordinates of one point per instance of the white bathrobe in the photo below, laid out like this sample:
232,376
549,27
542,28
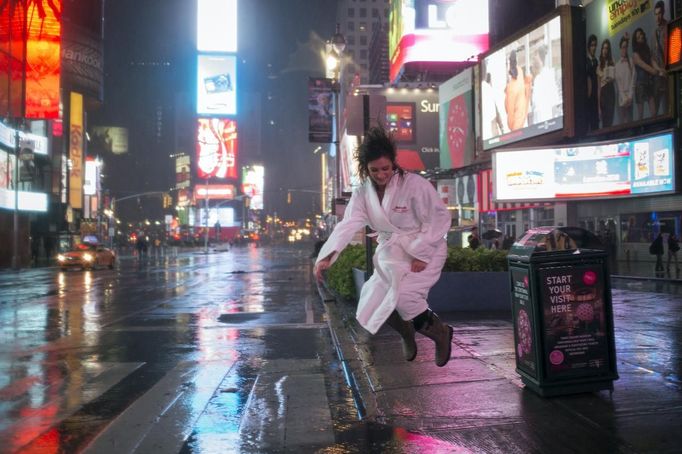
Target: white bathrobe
411,222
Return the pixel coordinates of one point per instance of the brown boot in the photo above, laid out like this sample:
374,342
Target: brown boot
441,334
406,331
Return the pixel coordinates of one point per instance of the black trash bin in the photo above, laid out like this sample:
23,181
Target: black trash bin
562,311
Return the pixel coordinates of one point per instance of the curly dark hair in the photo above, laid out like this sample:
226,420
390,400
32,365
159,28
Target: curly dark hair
378,143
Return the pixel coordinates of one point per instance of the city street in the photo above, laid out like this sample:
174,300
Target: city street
225,352
238,351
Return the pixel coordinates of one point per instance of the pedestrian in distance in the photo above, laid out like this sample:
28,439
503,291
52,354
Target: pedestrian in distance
473,239
656,248
410,221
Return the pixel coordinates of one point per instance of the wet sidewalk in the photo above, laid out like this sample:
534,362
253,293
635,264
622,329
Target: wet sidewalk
478,404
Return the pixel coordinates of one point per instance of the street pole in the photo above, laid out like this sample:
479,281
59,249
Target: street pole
206,226
336,89
15,236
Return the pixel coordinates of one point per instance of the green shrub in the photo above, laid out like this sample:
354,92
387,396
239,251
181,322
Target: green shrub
340,275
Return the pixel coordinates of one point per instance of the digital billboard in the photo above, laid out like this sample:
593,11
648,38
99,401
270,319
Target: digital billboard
217,85
320,110
253,181
625,63
457,137
182,172
109,139
521,87
436,31
216,148
30,63
217,25
640,166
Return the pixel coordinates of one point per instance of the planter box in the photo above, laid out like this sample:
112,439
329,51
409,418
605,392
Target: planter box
463,291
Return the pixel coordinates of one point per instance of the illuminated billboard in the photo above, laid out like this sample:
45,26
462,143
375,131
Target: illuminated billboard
521,87
625,63
457,137
216,148
109,139
217,25
217,85
182,172
253,181
436,31
34,61
640,166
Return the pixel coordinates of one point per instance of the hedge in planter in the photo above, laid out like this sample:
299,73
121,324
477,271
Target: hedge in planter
340,275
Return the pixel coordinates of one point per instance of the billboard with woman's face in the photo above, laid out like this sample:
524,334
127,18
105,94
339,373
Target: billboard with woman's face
521,87
625,62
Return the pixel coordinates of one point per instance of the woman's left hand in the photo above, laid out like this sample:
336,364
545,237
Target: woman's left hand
417,266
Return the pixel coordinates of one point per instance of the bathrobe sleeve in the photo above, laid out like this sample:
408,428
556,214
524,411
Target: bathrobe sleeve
355,218
434,217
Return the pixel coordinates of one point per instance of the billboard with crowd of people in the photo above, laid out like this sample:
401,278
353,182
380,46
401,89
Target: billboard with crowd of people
625,62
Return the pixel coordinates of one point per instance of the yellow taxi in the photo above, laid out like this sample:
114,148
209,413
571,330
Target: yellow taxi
87,256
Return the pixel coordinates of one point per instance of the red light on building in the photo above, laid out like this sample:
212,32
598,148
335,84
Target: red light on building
675,45
30,31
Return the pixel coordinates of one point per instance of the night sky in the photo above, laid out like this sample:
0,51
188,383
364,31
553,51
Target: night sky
149,64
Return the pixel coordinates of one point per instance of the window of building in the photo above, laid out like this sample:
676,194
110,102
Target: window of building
375,12
351,12
363,53
350,26
363,40
362,27
363,12
350,40
351,54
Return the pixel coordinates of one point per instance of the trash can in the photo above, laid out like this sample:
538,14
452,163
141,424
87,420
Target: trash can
562,311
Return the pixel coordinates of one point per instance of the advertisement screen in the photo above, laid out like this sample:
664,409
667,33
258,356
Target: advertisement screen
216,148
636,167
320,110
253,185
625,62
217,85
30,69
109,139
217,25
521,88
182,172
412,118
457,137
436,31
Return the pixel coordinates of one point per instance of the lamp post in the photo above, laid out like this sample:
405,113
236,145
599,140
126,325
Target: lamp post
335,50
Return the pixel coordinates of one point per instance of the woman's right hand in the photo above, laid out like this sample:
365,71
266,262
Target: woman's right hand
321,266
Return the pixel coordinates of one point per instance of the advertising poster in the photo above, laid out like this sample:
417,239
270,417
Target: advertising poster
217,25
320,110
216,148
109,139
636,167
76,151
253,184
524,324
34,61
414,115
521,87
182,172
574,321
217,85
625,62
457,137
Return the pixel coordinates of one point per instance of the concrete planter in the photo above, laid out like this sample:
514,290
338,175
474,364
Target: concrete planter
463,291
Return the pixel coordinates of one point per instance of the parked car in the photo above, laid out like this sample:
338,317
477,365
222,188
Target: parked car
87,256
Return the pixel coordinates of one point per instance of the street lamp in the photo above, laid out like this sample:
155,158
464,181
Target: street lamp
335,50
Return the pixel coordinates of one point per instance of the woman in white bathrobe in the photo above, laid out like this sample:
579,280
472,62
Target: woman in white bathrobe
411,222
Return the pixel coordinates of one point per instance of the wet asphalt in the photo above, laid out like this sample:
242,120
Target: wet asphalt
240,351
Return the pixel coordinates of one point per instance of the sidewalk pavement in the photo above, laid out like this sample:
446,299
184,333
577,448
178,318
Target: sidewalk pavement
477,402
